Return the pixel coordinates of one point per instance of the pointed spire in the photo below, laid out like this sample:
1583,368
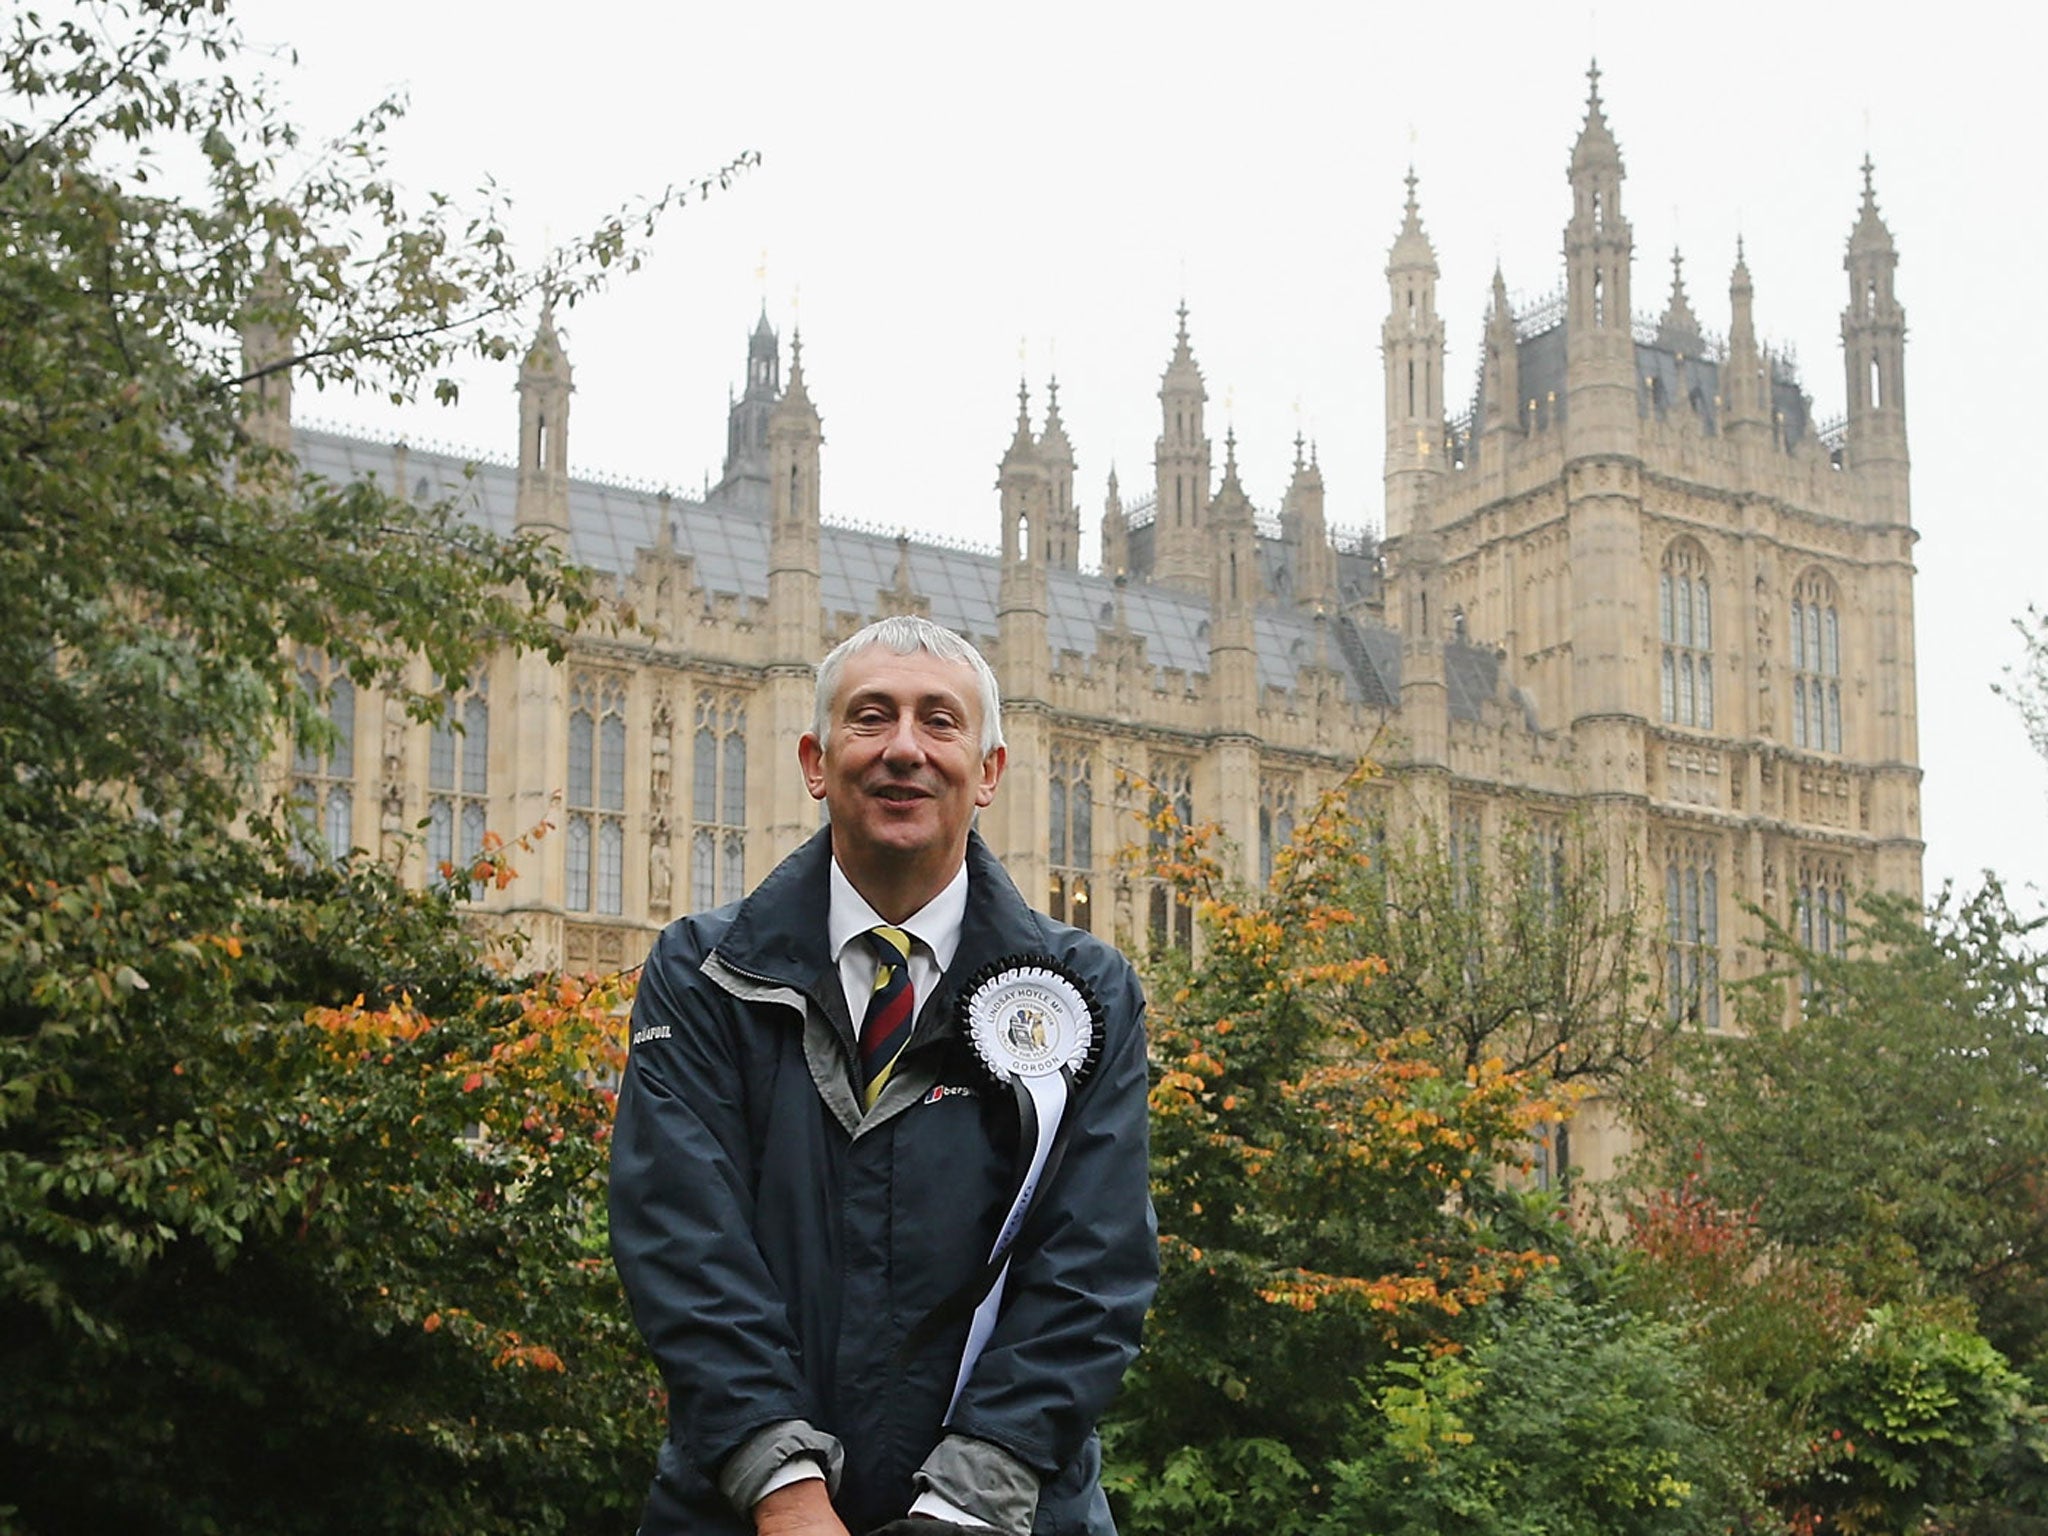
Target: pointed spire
1742,322
1183,361
1870,233
796,391
1116,549
1053,442
1232,508
545,356
1500,374
1308,474
1411,248
1596,144
1745,389
1021,445
1679,329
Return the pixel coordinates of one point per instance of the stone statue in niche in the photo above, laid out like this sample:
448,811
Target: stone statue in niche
660,874
1766,711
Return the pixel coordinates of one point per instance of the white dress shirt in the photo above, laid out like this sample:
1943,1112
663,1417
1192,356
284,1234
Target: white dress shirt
935,927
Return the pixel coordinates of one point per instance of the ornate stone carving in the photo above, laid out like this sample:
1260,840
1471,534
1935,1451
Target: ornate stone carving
660,800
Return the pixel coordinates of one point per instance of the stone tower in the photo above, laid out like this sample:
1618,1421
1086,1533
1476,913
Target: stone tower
1029,482
1600,408
545,385
1062,519
1234,594
539,704
1306,534
1603,468
744,479
1412,345
795,434
1874,350
1874,353
1745,384
1180,552
267,344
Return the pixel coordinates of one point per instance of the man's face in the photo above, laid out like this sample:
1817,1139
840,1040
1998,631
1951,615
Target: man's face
902,770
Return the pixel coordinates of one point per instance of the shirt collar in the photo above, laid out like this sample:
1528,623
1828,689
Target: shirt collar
936,924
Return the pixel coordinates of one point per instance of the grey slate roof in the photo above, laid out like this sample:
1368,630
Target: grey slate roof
609,523
1665,382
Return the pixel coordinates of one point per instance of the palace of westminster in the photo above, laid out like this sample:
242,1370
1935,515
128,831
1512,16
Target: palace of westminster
1637,584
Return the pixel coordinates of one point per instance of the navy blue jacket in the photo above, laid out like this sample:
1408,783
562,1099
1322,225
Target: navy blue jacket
778,1246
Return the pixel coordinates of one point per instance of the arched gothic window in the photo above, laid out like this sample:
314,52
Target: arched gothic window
718,800
1172,916
596,833
1467,849
1279,803
323,774
1816,637
1685,626
1823,916
458,781
1692,924
1547,868
1070,896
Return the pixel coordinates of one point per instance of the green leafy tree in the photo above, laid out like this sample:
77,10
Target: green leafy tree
1533,956
296,1221
1898,1130
1326,1196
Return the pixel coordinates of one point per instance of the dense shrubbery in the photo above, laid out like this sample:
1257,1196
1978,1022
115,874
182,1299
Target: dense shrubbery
1369,1322
297,1191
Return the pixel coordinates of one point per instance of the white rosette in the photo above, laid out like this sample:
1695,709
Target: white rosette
1035,1026
1030,1021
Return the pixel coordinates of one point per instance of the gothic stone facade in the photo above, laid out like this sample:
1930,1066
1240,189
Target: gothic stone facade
1636,584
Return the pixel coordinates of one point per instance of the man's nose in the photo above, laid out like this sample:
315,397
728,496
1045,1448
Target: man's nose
904,743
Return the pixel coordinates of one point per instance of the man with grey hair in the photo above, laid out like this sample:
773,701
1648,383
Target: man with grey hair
879,1188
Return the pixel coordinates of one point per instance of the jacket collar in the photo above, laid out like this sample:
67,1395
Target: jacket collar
779,935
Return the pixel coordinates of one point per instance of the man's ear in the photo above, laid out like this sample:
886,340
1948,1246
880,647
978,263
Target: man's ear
991,774
811,757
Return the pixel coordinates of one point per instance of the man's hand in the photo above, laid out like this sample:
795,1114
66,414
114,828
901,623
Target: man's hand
798,1509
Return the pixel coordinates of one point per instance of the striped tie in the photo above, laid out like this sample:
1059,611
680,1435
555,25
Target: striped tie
890,1011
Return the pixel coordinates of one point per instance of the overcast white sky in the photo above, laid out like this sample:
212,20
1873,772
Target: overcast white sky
949,190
